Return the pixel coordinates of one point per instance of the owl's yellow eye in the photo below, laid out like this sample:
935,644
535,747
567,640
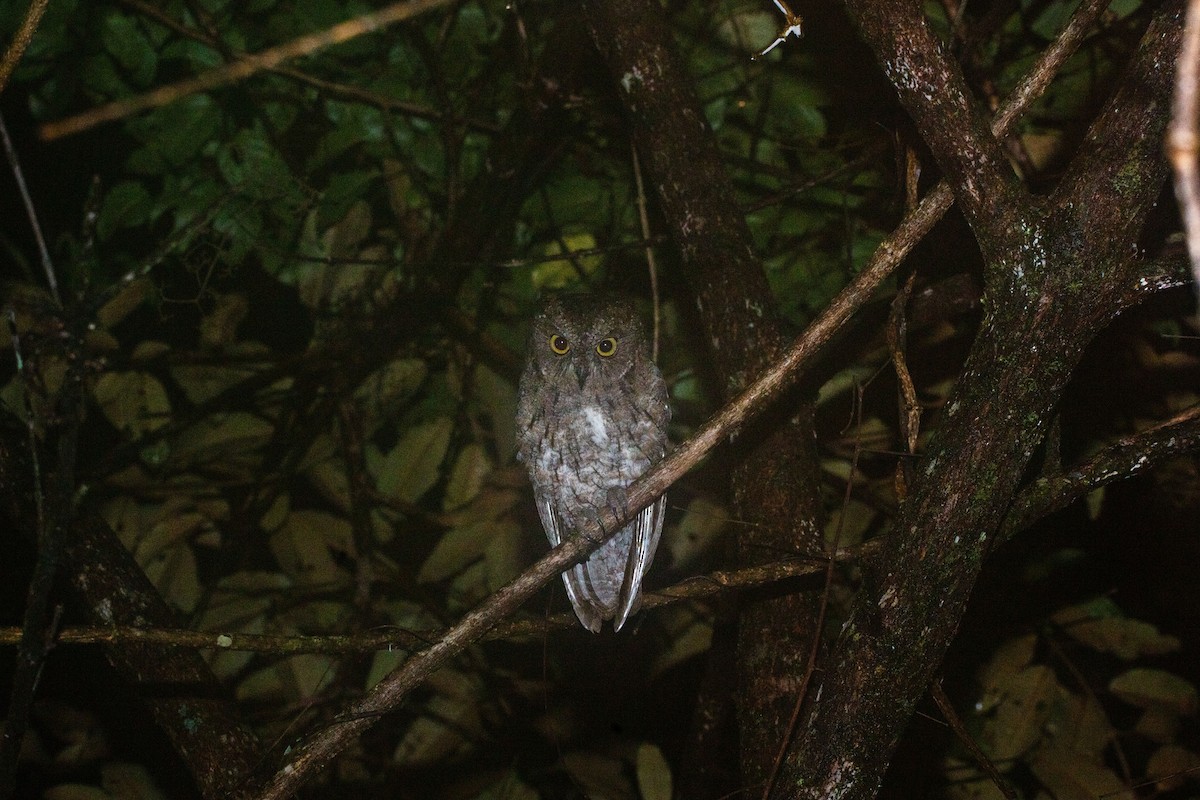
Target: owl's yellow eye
559,345
607,347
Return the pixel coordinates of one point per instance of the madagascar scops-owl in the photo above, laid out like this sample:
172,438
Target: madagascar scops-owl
592,416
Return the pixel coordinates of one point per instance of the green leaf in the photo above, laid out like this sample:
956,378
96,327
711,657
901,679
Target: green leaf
564,272
387,389
1155,688
292,679
226,443
135,402
1101,626
690,635
127,204
312,548
466,478
203,382
253,165
598,775
509,787
103,78
1026,702
1170,765
342,191
702,523
1073,776
127,44
450,717
456,549
175,133
653,773
411,467
750,31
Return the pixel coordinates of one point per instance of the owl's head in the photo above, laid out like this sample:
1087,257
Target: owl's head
591,339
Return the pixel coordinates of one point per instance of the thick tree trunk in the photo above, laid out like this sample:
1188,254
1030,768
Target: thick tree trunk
1057,272
775,485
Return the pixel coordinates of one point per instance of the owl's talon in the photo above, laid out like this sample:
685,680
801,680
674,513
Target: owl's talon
593,516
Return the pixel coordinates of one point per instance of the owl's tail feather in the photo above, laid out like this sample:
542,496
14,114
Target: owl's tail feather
646,530
583,598
595,602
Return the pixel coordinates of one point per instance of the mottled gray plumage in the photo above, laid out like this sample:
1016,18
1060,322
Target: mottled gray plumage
592,417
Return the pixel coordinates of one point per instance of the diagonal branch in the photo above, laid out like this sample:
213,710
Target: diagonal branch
1120,169
933,92
338,90
21,40
1124,458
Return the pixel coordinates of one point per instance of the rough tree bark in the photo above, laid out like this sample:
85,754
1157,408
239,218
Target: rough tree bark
1057,271
177,687
775,486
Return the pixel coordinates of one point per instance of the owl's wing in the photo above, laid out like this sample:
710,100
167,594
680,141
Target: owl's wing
646,529
582,597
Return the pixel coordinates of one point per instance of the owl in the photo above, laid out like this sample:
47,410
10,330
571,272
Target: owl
592,417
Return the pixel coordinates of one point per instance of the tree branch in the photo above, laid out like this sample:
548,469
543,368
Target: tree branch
1124,458
696,587
1183,142
1119,170
776,482
242,68
932,89
21,40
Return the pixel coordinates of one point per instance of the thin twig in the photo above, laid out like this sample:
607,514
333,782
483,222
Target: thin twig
339,90
30,211
897,342
968,741
691,589
388,693
21,40
242,68
651,265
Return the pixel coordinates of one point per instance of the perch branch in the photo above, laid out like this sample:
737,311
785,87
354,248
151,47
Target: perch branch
1119,166
996,417
955,722
392,689
1123,459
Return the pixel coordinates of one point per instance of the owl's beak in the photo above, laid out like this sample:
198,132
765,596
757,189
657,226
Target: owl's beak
581,373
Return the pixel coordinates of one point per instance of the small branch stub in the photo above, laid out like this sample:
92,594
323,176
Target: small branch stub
794,27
